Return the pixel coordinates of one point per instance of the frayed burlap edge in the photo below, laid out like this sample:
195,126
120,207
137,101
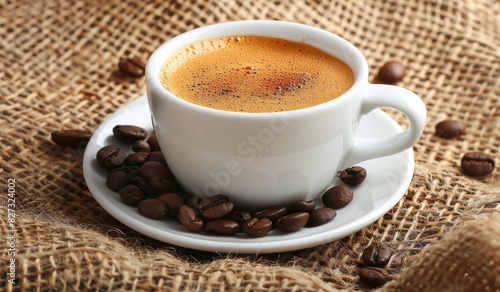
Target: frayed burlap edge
466,259
79,259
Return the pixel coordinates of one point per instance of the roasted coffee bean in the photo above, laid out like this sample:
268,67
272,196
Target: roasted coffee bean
391,72
136,158
153,143
257,227
239,216
321,216
130,170
477,164
156,156
194,202
143,185
222,226
131,195
153,209
158,176
71,138
161,185
216,206
128,134
173,201
301,206
292,222
373,277
133,67
152,169
337,197
117,180
140,146
449,129
190,219
181,192
353,175
110,157
376,255
272,213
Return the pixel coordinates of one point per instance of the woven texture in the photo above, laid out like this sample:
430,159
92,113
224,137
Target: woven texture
58,61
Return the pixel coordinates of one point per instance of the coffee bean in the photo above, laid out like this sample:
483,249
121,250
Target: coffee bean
257,227
353,175
292,222
337,197
136,158
71,138
301,206
153,143
216,206
477,164
222,226
140,146
158,176
110,157
239,216
130,170
173,201
376,255
321,216
190,219
132,67
449,129
128,134
131,195
272,213
153,209
374,277
391,72
156,156
117,180
161,185
194,202
143,185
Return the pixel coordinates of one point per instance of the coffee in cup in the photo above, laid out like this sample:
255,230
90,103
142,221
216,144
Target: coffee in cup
255,74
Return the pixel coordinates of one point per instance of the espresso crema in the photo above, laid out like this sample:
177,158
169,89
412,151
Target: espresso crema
255,74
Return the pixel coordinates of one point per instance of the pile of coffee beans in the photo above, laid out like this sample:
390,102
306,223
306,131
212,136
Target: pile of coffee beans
142,179
375,257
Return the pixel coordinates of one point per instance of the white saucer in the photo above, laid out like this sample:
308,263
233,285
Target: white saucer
387,180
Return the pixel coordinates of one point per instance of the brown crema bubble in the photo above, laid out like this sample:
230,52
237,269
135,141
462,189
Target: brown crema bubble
255,74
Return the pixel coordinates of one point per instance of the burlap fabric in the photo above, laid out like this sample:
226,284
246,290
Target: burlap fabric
58,60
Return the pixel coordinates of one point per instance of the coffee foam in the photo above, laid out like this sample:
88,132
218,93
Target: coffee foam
255,74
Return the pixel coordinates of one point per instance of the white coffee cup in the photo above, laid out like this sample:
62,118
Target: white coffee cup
266,159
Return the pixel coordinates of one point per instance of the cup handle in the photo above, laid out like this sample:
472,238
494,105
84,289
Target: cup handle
410,104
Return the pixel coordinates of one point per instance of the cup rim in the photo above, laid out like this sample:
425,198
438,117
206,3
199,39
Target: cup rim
160,55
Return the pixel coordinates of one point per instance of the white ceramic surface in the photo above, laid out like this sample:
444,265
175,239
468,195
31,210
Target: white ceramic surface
262,159
387,180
